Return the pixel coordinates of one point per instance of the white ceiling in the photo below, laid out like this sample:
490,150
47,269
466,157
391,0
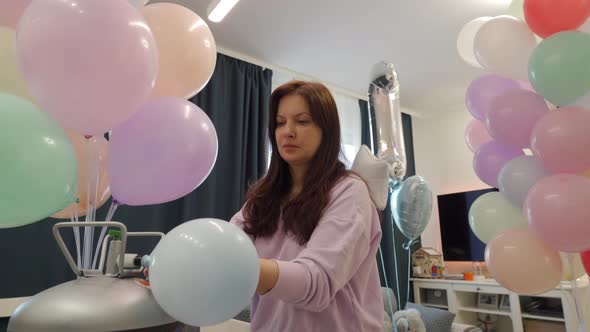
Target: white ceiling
339,41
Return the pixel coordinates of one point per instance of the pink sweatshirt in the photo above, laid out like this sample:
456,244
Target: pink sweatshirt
332,282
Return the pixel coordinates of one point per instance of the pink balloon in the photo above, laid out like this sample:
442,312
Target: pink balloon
163,152
476,135
11,11
89,63
558,212
513,116
490,158
561,140
522,263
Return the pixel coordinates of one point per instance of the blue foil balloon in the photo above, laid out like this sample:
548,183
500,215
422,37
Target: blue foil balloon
411,205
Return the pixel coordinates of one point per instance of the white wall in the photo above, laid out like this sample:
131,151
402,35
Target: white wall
444,160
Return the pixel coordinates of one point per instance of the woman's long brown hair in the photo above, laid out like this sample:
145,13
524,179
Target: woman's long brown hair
267,201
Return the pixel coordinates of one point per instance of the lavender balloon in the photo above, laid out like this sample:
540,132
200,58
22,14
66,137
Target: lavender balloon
490,158
518,176
513,116
163,152
484,90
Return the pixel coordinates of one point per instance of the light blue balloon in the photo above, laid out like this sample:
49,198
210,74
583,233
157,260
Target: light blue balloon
411,205
518,176
204,272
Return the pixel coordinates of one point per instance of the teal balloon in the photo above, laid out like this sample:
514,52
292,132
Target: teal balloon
559,68
38,164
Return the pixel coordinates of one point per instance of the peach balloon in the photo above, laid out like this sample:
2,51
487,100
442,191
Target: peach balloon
86,154
522,263
186,47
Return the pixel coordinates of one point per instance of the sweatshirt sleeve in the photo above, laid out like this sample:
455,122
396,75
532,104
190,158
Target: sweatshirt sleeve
338,246
238,220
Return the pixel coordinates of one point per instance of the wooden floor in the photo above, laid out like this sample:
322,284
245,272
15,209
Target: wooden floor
228,326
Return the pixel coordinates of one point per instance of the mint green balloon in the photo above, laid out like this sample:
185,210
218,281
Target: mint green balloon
492,214
559,68
38,164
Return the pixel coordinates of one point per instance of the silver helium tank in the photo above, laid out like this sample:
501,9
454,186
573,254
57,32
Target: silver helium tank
96,301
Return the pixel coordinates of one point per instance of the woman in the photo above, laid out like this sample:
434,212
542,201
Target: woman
313,224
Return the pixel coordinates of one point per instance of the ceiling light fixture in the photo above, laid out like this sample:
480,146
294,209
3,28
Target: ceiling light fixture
219,8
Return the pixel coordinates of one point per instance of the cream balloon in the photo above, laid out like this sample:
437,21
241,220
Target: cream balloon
492,214
11,80
504,45
186,47
516,9
466,39
585,27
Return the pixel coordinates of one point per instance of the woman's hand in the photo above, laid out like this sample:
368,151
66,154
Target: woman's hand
269,275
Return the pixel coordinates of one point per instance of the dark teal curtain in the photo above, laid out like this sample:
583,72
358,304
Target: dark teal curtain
236,100
369,136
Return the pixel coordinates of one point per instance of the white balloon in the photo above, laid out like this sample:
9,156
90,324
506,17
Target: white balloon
204,272
504,45
466,39
138,3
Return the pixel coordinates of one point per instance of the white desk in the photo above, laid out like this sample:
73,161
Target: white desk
460,297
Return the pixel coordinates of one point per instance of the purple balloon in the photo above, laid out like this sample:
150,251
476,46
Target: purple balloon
490,158
513,116
482,91
163,152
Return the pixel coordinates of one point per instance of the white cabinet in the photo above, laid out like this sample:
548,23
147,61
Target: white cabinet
461,297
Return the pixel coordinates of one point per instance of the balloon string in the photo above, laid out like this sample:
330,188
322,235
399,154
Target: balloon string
387,287
399,304
110,214
76,233
409,248
93,156
578,304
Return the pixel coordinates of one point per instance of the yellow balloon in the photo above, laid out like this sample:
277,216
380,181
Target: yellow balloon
11,80
587,173
571,270
516,9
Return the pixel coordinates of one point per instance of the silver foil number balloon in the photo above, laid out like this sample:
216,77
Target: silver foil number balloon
384,98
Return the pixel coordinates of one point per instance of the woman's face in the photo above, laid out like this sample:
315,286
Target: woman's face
298,137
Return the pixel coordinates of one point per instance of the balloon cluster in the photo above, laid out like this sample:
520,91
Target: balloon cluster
130,77
530,138
72,70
